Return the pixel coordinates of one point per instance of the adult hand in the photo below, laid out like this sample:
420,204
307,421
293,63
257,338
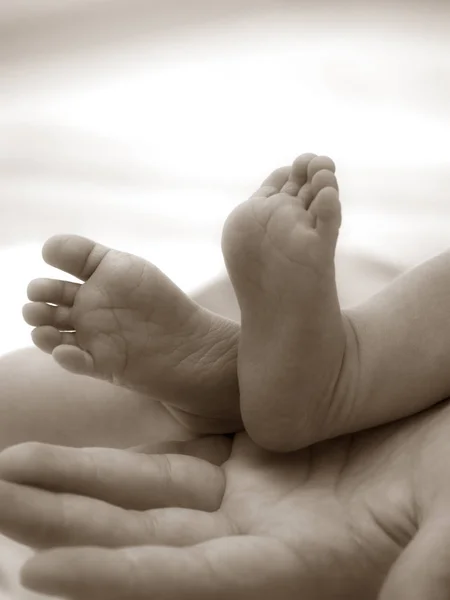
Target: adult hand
328,522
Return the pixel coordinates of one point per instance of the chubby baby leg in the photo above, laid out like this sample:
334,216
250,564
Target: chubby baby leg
308,370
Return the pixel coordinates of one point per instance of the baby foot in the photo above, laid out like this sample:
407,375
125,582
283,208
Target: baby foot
130,325
279,250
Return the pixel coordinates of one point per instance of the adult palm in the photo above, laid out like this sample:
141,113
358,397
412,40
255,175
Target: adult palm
329,522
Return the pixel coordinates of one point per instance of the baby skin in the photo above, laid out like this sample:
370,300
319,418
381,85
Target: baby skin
131,325
299,370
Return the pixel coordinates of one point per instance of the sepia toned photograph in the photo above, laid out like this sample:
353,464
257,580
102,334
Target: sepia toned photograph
225,318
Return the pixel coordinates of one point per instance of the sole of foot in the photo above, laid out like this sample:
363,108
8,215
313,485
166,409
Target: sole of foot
279,250
129,324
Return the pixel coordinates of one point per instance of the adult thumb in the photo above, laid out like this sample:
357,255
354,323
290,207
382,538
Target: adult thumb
422,571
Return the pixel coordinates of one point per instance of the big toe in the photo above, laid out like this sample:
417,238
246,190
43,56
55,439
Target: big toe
74,254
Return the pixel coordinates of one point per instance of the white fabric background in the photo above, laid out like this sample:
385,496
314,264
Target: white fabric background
141,124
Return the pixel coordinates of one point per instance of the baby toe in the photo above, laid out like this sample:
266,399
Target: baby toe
39,314
273,184
298,175
53,291
47,338
74,359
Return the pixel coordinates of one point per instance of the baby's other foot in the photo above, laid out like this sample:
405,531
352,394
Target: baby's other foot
279,250
130,325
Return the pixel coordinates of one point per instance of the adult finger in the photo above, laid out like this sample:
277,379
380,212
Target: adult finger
242,568
215,449
43,519
130,480
422,572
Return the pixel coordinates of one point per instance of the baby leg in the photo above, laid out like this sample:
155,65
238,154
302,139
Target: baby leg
403,340
41,402
307,370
